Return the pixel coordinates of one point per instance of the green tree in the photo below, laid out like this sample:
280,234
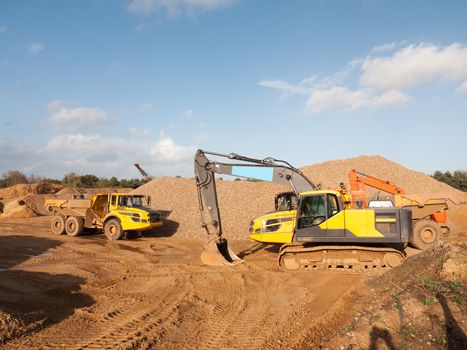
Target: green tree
457,179
88,180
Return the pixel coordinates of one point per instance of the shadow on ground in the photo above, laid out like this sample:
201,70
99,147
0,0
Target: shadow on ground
272,248
37,299
168,228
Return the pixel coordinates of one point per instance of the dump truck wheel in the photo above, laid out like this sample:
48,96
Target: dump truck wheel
113,230
74,226
426,234
58,225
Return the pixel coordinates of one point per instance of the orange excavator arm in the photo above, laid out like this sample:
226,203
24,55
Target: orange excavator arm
357,187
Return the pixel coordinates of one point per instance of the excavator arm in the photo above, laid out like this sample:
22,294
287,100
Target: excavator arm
358,181
216,251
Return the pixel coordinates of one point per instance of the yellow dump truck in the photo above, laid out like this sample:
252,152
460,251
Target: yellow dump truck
114,213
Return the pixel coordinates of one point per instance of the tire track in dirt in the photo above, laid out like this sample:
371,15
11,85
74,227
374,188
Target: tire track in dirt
223,316
243,313
125,327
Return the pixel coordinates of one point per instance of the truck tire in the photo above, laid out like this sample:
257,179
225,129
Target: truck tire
74,226
426,234
113,230
58,225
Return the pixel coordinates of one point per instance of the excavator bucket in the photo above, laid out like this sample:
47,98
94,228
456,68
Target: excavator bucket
217,253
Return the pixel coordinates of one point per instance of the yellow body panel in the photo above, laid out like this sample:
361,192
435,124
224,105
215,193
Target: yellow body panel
360,222
132,218
283,234
126,217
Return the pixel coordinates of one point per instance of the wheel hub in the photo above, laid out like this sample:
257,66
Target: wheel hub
427,235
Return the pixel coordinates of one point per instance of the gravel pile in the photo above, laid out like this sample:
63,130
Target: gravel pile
330,173
240,201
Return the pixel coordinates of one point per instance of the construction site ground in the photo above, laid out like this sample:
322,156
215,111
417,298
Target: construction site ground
60,292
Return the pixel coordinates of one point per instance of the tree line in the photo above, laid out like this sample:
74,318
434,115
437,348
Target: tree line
456,179
15,177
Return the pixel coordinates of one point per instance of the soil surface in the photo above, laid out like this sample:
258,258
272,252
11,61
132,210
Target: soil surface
60,292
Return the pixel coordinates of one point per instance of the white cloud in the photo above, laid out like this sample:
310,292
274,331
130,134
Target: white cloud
188,114
56,105
415,65
286,87
82,115
387,47
139,132
175,7
462,87
338,96
2,29
65,117
166,150
202,137
35,48
382,79
146,107
86,145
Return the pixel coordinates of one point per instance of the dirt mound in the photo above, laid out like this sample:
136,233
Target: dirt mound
239,201
22,190
329,174
419,305
17,209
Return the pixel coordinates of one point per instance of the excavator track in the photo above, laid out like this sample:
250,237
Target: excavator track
339,258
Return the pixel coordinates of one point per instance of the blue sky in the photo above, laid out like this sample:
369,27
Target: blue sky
92,86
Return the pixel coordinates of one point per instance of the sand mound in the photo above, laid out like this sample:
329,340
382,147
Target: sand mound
22,190
241,201
17,209
330,173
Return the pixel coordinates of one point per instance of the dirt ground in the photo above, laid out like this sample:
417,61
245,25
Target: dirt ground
59,292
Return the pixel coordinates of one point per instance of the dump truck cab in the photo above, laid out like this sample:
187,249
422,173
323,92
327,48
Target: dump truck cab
132,211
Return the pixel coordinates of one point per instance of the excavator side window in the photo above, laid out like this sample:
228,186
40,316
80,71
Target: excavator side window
312,211
333,207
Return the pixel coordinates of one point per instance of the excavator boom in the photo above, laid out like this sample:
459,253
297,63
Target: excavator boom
144,173
357,187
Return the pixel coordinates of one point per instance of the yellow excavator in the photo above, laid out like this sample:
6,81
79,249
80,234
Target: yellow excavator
325,234
429,215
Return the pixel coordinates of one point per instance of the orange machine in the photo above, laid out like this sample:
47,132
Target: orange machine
429,215
357,187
